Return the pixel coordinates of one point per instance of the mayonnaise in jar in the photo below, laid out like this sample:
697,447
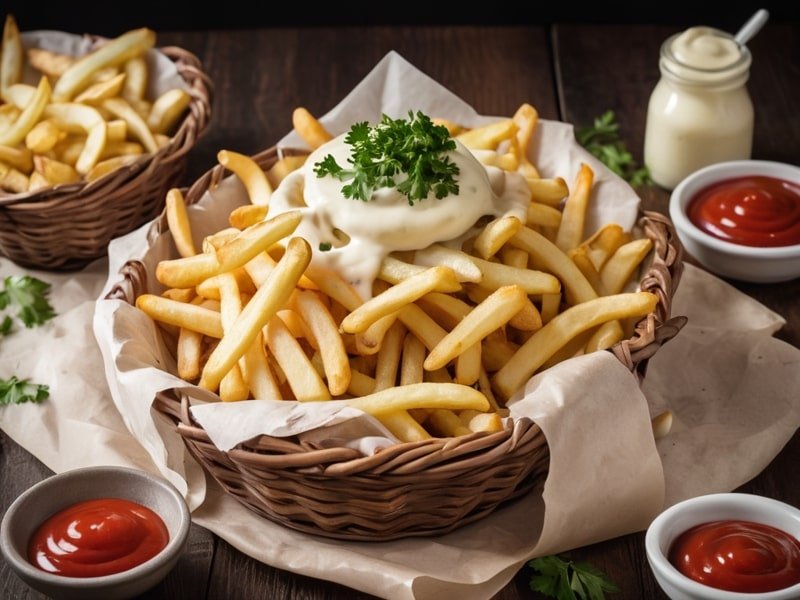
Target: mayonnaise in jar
699,112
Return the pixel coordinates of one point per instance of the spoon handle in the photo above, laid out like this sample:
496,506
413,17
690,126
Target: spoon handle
752,27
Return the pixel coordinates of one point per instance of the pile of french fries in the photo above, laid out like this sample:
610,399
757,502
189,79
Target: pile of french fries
437,350
88,115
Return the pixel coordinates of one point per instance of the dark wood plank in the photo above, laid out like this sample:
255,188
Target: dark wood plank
616,67
262,75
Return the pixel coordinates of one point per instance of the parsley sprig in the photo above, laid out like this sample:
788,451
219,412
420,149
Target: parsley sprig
413,147
603,141
17,391
560,578
29,296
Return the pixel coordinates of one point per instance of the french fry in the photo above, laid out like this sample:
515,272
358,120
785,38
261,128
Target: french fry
497,275
400,295
450,396
488,137
42,137
607,335
620,267
562,328
312,131
603,243
542,214
495,235
305,382
55,172
180,314
266,302
255,239
245,168
491,314
11,56
49,63
37,181
283,167
117,130
19,158
550,305
662,424
411,369
247,215
104,167
190,347
389,357
71,116
447,423
97,92
136,125
167,109
570,229
13,180
462,264
135,72
15,133
178,221
548,191
115,52
468,365
404,427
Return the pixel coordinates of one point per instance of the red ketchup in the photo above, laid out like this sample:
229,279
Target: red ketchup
738,556
750,211
97,537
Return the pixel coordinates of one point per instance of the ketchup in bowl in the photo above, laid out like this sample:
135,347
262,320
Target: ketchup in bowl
755,210
97,537
738,556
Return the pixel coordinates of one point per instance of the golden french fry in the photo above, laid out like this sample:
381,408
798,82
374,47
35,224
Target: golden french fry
312,131
491,314
562,328
389,357
97,92
332,284
544,215
43,137
180,295
215,241
55,172
404,427
117,130
452,128
266,302
283,167
258,374
495,235
187,272
528,317
104,167
71,116
440,279
167,109
525,119
19,158
488,422
570,230
303,379
247,170
468,365
15,133
135,71
551,303
394,271
255,239
48,62
447,423
115,52
581,259
514,257
361,384
190,349
497,275
607,335
18,95
489,136
136,125
113,149
370,341
620,267
662,423
331,346
421,325
179,225
37,181
189,316
462,264
247,215
13,180
548,191
554,260
11,56
8,114
450,396
411,369
69,149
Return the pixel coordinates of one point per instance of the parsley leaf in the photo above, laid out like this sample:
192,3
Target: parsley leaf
17,391
325,246
29,295
413,147
6,325
603,141
560,578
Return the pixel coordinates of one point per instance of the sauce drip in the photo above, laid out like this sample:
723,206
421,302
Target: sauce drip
97,537
738,556
751,211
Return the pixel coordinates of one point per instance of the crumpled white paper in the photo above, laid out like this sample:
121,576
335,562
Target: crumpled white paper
740,394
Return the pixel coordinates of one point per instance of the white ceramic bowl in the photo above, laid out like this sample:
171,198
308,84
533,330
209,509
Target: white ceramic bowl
666,528
47,497
746,263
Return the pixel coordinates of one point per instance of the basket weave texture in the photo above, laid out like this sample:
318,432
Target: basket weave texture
408,489
67,226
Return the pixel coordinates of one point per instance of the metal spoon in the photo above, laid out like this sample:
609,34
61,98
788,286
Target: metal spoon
752,27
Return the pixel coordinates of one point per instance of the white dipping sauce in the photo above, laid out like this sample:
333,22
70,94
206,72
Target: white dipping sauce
387,222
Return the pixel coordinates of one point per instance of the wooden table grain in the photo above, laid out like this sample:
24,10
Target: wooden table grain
573,73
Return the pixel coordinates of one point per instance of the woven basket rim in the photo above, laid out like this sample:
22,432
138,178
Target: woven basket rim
193,125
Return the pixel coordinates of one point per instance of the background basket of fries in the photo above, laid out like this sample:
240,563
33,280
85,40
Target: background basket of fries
434,355
93,132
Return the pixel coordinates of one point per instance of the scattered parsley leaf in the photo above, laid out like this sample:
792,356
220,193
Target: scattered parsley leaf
17,391
29,296
560,578
603,141
325,246
413,147
7,324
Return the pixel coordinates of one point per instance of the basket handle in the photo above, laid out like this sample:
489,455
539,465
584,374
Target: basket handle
132,285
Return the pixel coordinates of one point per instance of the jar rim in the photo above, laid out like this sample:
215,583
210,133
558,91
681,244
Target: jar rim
735,69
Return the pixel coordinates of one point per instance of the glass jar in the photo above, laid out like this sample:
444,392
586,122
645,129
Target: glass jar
699,112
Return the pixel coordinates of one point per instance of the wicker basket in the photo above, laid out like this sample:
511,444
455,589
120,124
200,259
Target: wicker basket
67,226
409,489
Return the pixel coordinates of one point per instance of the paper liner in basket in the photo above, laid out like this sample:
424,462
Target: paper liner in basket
605,476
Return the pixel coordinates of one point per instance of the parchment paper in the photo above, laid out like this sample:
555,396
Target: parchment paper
742,393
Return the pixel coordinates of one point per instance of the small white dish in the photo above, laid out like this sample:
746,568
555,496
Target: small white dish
671,523
56,493
745,263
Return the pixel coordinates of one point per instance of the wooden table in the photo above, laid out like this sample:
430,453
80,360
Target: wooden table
572,73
